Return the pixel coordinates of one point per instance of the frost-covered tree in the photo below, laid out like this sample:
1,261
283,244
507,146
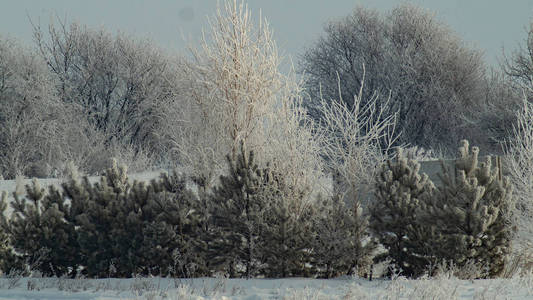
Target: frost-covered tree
28,113
520,165
38,132
119,84
236,92
519,64
410,54
357,139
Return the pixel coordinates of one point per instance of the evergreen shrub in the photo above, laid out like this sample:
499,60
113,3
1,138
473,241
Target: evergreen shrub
465,223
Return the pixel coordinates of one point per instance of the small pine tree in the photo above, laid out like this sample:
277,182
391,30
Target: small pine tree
342,243
104,234
286,242
471,214
8,259
173,228
41,231
238,206
400,190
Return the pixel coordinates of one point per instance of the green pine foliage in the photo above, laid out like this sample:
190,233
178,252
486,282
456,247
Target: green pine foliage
8,259
41,233
399,191
127,229
110,228
342,243
471,214
287,240
256,229
257,226
238,209
466,222
173,230
105,233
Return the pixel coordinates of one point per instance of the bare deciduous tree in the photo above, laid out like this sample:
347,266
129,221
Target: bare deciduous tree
120,83
435,80
520,165
519,65
359,136
26,112
39,133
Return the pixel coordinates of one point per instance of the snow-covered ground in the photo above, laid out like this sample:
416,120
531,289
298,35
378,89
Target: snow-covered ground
241,289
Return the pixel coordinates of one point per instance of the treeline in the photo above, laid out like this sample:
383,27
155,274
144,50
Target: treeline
245,227
248,226
85,95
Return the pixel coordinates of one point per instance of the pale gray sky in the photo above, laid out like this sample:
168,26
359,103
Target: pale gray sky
490,25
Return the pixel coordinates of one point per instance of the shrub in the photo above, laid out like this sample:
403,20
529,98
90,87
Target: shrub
465,223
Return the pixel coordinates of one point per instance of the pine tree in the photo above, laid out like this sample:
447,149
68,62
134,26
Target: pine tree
400,190
103,234
237,214
8,259
471,214
41,231
342,242
286,241
135,228
173,228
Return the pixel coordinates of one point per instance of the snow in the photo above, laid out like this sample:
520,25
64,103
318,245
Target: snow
242,289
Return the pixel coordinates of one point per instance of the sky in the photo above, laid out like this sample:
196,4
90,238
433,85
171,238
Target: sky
489,25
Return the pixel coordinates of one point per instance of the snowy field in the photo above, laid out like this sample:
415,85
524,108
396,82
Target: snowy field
222,288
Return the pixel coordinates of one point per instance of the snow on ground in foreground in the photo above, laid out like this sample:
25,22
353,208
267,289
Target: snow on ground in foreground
242,289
